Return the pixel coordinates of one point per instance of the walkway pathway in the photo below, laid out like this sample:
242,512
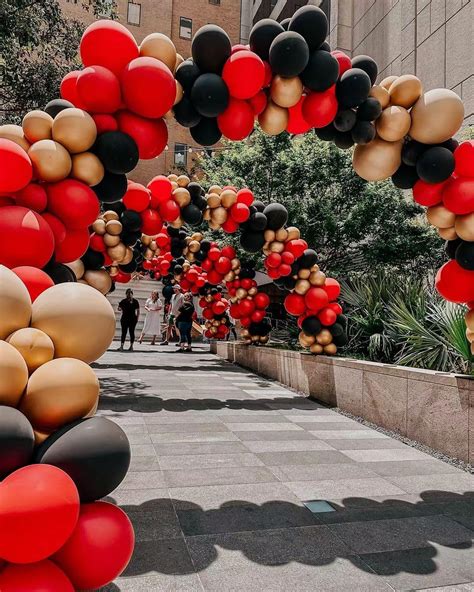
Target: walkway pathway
222,463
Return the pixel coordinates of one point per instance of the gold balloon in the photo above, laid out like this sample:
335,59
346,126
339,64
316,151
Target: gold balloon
74,129
114,270
13,375
183,181
111,240
229,277
59,392
235,263
37,126
281,235
293,233
228,198
241,293
274,119
304,274
86,167
213,200
286,92
472,348
255,338
387,82
317,278
469,335
78,318
194,246
34,345
77,268
469,318
160,47
381,94
128,256
447,233
252,291
117,253
15,303
177,223
113,227
405,91
51,161
276,247
436,116
393,124
215,189
269,235
179,95
440,216
219,215
100,280
464,226
15,134
377,160
179,60
173,178
324,337
330,349
302,286
306,340
264,339
99,226
197,236
182,197
110,215
146,240
316,348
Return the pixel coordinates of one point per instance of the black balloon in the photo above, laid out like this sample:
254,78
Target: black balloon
93,260
112,188
117,151
451,246
185,113
206,132
345,120
129,267
94,452
363,132
210,95
262,35
258,222
195,190
117,206
465,255
367,64
327,133
450,144
17,440
338,332
405,176
259,205
353,88
411,152
252,242
308,259
435,165
186,74
310,22
59,273
311,325
321,72
285,22
210,48
325,46
369,110
191,214
56,106
289,54
130,237
277,216
131,220
343,140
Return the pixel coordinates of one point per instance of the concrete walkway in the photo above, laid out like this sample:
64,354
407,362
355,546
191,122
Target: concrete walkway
223,463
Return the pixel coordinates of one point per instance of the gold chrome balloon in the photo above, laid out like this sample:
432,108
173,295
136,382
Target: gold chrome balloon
324,337
34,345
317,278
86,167
228,198
77,268
117,253
182,197
377,160
381,94
113,227
13,375
436,116
215,189
213,200
51,161
316,348
302,286
15,134
304,274
110,215
37,126
274,119
330,349
219,215
306,340
269,235
100,280
15,303
464,226
160,47
405,91
286,92
440,216
388,81
448,233
293,233
393,124
183,181
281,235
111,240
74,129
99,226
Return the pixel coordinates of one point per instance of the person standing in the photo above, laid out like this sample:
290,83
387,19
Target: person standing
184,322
152,325
130,310
175,304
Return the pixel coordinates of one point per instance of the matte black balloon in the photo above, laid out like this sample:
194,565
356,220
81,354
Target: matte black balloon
321,72
178,269
186,74
465,255
17,440
310,22
289,54
117,151
289,282
94,452
285,22
252,242
405,177
131,220
191,214
210,48
343,321
311,325
205,245
435,165
259,205
210,95
195,190
363,132
93,260
262,35
56,106
451,246
277,216
129,267
353,88
185,113
343,140
339,335
345,120
117,206
411,152
369,110
258,222
327,133
308,259
206,132
112,188
325,46
369,65
59,273
450,144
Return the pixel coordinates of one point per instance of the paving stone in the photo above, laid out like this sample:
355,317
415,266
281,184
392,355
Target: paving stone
200,448
365,444
264,427
288,445
427,466
143,480
311,457
161,582
207,461
381,455
218,476
321,471
274,436
342,433
458,482
175,428
179,437
144,463
332,489
167,556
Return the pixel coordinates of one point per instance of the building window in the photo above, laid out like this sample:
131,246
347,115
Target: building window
180,154
185,27
134,13
216,2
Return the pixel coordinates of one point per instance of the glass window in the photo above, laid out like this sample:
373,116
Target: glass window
180,154
185,27
134,13
216,2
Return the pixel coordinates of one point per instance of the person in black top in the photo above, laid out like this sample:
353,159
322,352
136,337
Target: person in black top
130,310
184,322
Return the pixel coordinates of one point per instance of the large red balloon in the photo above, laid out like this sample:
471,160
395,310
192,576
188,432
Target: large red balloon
240,212
25,238
35,280
161,189
458,195
39,508
261,299
343,60
73,246
150,135
43,576
316,298
236,122
33,196
100,547
169,210
137,197
320,108
151,222
294,304
455,283
109,44
58,228
105,122
16,170
74,203
297,124
464,159
148,87
68,89
259,102
332,288
428,194
244,74
98,88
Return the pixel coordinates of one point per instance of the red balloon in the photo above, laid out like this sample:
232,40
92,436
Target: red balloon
236,122
33,196
296,247
336,307
105,122
223,265
109,44
137,197
219,307
73,246
149,88
246,307
261,300
74,203
245,321
428,194
268,74
273,260
320,108
247,283
7,201
151,222
169,210
35,280
68,89
58,228
122,277
327,316
16,170
238,47
258,102
100,547
297,124
150,135
287,257
464,159
455,283
332,288
240,212
245,196
244,74
458,195
214,253
39,507
98,88
43,576
25,238
96,243
228,251
343,60
316,298
230,226
284,269
161,189
235,311
162,239
294,304
206,265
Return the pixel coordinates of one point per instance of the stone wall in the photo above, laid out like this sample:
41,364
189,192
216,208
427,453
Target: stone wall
433,408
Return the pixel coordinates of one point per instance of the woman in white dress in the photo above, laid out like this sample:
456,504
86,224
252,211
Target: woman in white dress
152,325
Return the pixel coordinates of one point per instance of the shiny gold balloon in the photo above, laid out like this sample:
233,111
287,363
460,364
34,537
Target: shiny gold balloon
182,197
179,60
464,226
306,340
293,233
302,286
252,291
13,375
217,189
264,339
274,119
78,318
469,319
99,226
286,92
469,335
304,274
276,247
160,47
114,227
117,253
228,198
74,129
436,116
59,392
213,200
34,345
114,270
173,178
393,124
377,160
51,161
100,280
128,257
324,337
183,181
316,348
111,240
330,349
269,235
77,268
317,278
146,240
448,233
15,134
440,216
405,91
194,246
110,215
15,303
281,235
235,263
381,94
179,94
219,215
37,126
197,236
388,81
86,167
241,293
177,223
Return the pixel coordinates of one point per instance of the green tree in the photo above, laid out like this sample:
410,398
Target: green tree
38,46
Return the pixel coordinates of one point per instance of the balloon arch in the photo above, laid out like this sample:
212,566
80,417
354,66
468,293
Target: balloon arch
71,225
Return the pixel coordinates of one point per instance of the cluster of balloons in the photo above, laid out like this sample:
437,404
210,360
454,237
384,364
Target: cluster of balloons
250,306
215,312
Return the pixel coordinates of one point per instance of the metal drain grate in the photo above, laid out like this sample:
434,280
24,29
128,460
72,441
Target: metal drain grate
318,506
